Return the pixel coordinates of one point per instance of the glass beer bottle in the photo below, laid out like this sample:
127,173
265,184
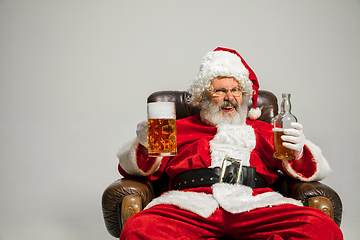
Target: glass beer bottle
281,122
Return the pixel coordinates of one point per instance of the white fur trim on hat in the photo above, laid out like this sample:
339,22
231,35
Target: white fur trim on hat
216,64
224,64
254,113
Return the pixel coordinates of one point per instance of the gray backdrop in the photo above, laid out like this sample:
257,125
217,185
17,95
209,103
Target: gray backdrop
75,76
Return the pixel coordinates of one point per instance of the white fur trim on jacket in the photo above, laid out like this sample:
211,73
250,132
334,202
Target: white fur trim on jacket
127,160
232,198
201,204
322,166
235,141
239,198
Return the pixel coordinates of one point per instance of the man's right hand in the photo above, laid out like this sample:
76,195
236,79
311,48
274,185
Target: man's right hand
141,133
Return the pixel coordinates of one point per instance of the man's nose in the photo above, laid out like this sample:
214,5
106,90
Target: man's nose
229,96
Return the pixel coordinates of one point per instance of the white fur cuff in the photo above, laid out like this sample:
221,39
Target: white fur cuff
127,160
322,166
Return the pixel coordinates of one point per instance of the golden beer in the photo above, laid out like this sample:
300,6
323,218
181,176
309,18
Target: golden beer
162,137
281,152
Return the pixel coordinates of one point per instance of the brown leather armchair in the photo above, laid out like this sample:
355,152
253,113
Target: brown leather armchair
127,196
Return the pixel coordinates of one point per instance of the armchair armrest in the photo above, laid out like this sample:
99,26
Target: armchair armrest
315,194
123,198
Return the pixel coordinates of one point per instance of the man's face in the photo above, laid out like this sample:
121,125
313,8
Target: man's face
224,102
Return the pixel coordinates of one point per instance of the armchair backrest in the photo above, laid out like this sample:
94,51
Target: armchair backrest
267,102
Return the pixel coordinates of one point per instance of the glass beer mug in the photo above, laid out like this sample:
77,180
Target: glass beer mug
161,129
281,122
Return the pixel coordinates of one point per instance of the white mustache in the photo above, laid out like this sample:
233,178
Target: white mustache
227,103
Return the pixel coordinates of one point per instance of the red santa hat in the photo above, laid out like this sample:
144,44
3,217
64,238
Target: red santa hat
228,63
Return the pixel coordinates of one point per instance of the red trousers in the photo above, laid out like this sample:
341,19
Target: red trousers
273,223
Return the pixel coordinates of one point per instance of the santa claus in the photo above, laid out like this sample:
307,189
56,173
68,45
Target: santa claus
197,206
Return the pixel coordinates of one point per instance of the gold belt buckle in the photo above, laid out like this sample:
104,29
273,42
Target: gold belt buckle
224,166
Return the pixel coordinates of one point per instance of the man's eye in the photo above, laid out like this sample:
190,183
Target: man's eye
220,91
235,90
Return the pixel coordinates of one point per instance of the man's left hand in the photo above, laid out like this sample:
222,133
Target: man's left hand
294,139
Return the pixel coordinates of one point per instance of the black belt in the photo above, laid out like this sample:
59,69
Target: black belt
205,177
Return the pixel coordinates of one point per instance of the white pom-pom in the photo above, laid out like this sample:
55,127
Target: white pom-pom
254,113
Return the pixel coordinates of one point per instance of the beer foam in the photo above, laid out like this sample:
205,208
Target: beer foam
161,110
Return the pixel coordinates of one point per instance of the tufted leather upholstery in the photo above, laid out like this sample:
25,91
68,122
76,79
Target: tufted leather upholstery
127,196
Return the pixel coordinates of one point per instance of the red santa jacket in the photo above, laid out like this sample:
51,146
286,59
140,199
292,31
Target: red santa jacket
201,145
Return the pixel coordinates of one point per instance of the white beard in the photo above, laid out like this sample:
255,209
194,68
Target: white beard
212,115
233,138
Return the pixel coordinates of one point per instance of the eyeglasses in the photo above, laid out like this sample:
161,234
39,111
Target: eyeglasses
221,92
